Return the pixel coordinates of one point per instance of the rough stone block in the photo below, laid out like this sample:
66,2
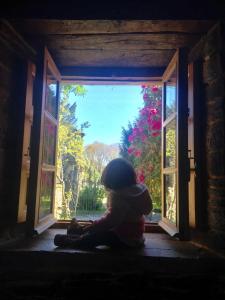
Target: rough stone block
216,111
216,163
216,197
214,40
216,202
217,193
217,182
216,217
215,138
216,89
213,68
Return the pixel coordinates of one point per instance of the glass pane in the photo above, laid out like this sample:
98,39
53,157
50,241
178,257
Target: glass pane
170,197
170,144
171,91
46,195
49,142
51,104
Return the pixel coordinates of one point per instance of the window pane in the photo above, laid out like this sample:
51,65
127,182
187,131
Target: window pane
49,142
171,91
170,197
46,195
170,144
51,94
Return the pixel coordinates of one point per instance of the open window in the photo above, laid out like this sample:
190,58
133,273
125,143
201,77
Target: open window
43,147
175,164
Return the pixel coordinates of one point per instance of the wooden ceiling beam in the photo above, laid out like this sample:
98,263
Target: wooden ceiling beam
61,27
153,58
124,42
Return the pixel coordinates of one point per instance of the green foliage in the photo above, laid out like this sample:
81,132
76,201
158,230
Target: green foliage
92,194
70,137
79,167
90,198
70,155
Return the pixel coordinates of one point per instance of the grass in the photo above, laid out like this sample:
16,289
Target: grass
89,214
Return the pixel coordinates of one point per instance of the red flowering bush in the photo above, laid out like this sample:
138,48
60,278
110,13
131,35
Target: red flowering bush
141,142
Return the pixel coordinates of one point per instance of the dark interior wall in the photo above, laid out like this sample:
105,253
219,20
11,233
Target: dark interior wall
13,69
118,10
9,128
210,54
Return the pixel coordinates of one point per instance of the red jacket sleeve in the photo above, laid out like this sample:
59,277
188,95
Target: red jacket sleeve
114,216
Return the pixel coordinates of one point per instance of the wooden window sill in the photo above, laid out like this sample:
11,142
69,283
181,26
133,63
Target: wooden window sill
149,227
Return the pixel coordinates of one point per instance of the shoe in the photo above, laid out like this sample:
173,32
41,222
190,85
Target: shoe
74,228
64,240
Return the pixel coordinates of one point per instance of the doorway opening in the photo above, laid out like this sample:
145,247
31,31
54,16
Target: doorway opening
98,123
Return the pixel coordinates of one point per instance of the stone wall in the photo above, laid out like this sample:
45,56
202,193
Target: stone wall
214,79
211,52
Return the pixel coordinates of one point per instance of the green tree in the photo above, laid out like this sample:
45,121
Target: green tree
92,193
70,156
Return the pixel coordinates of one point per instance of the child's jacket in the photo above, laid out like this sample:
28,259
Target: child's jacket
125,214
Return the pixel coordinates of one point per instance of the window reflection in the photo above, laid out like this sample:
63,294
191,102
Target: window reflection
51,94
170,195
170,105
170,144
49,142
47,183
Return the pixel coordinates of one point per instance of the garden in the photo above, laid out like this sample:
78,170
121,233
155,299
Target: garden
78,190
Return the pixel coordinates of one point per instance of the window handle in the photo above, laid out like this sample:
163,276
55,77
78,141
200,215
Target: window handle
191,157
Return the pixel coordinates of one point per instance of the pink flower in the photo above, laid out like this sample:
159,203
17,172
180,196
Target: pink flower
145,97
156,125
153,111
154,89
140,123
130,138
144,86
130,150
157,133
135,131
143,137
143,111
140,177
149,120
137,153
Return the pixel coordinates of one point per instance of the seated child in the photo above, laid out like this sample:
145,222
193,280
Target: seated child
123,223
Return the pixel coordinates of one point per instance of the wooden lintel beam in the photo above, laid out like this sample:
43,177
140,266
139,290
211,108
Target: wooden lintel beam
114,72
84,27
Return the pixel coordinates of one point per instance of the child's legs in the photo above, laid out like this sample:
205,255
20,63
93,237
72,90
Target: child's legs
106,238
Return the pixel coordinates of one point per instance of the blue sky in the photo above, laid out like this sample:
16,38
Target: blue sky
108,108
